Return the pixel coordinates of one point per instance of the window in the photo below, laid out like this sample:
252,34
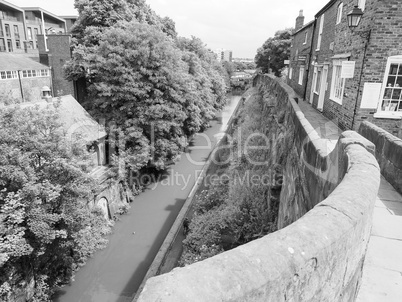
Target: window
4,75
338,84
44,73
305,37
290,72
10,45
301,75
16,32
339,15
35,73
392,86
2,45
29,33
18,44
362,4
7,28
320,32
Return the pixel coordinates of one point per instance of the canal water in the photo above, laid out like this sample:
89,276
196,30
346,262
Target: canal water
115,273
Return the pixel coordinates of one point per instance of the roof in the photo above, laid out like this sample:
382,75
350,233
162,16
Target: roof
11,62
328,5
69,17
11,5
304,27
38,9
74,118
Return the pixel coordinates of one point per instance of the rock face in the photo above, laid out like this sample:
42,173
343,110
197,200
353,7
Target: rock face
325,215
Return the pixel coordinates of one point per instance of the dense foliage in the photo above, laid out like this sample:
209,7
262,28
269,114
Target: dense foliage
46,228
274,51
156,88
243,204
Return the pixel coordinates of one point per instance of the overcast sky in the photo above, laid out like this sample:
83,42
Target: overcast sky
239,25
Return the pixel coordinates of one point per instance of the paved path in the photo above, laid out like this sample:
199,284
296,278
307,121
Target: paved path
382,270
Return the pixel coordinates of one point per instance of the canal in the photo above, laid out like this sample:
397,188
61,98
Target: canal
115,273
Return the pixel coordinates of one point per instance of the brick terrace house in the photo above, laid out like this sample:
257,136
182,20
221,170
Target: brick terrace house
299,56
353,74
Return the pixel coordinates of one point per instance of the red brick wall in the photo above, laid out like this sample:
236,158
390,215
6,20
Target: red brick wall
383,17
300,49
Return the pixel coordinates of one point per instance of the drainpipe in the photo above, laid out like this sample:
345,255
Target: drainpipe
361,77
19,80
309,57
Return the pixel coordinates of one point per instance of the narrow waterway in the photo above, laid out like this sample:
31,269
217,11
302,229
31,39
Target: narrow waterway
115,273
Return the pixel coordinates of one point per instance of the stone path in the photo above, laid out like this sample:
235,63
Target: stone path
382,270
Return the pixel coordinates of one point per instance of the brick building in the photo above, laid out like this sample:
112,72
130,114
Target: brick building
298,63
22,79
354,74
19,27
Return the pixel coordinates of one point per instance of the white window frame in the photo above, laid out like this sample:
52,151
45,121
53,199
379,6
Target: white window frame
339,14
320,32
290,73
386,113
336,94
8,74
301,74
305,37
362,4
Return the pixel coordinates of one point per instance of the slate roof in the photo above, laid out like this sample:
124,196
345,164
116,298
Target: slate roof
75,119
12,62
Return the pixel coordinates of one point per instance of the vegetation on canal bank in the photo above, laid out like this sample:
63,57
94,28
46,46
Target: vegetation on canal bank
46,228
241,200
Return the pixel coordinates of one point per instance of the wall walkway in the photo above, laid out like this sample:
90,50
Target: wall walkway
319,257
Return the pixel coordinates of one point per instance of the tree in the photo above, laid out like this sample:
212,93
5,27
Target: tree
274,52
156,88
46,227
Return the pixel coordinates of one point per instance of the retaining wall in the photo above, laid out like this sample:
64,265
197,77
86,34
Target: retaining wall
388,150
318,257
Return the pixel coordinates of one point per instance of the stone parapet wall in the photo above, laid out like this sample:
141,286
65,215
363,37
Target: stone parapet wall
318,257
388,150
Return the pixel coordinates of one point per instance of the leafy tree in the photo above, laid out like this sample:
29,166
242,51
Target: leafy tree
274,51
155,88
46,227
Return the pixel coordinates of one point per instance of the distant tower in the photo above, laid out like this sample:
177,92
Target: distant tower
299,21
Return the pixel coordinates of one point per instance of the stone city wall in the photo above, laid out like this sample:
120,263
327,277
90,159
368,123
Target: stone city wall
319,256
388,150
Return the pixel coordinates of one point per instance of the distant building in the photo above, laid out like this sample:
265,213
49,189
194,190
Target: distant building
224,55
19,27
70,21
243,60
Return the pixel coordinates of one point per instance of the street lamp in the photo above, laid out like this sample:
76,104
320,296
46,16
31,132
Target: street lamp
354,17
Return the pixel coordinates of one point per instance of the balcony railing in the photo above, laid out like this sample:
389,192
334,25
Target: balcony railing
9,18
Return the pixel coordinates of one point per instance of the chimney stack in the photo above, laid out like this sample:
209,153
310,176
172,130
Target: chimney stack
299,21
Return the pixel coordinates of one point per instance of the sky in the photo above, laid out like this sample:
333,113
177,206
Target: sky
238,25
